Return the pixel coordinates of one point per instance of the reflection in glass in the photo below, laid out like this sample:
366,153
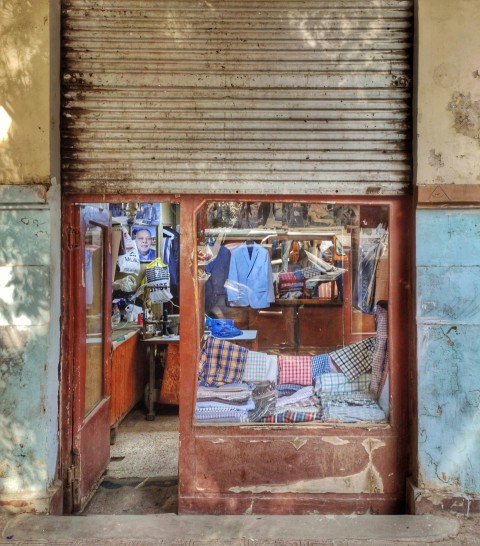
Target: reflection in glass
296,304
93,275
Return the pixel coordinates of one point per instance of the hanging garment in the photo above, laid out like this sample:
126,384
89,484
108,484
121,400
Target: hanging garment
250,278
215,284
171,256
370,250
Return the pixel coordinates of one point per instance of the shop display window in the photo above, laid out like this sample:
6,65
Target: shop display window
295,301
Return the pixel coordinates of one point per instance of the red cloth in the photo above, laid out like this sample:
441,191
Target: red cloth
295,369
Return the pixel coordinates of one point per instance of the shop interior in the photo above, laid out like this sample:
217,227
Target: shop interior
142,474
296,306
296,296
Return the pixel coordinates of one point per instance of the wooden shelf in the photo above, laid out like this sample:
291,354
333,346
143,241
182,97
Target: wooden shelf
309,301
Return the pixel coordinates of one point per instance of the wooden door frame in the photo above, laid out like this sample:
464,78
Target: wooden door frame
70,242
70,238
189,435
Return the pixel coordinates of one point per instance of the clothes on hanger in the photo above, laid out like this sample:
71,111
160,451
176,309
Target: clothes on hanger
171,256
250,278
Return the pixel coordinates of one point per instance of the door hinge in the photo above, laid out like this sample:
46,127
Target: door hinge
72,484
73,472
73,238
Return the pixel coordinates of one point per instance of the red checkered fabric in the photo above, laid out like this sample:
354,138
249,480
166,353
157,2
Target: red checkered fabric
295,369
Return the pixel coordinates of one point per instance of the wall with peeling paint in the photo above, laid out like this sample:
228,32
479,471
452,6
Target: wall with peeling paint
448,123
448,318
29,253
448,254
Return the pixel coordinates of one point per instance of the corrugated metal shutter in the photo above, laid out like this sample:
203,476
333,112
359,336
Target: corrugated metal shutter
184,96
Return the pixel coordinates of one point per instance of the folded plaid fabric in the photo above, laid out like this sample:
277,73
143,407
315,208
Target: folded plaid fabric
255,366
288,277
320,364
295,369
287,389
236,393
337,383
312,272
246,405
355,359
289,416
302,416
221,362
221,415
379,358
291,285
353,414
305,393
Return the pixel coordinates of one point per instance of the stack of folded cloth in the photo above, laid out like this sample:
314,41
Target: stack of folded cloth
229,403
295,404
291,284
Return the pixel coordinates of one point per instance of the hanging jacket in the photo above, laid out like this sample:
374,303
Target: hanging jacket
250,279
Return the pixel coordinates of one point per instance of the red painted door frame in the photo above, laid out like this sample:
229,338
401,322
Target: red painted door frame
85,439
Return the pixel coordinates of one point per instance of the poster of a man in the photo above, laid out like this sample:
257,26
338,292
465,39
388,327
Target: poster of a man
144,238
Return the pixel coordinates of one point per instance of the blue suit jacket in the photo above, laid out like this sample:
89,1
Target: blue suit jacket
250,280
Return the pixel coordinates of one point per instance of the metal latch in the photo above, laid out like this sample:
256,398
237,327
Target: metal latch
73,238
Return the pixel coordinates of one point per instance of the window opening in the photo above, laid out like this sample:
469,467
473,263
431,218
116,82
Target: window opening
296,313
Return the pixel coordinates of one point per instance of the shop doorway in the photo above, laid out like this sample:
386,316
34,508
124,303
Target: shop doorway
120,377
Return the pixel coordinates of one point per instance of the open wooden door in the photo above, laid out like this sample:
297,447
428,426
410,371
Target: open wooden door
91,352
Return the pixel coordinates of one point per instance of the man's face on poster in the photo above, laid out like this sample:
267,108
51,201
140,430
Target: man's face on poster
143,240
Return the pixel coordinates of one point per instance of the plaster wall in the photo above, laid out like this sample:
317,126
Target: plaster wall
448,322
448,92
447,243
29,253
24,91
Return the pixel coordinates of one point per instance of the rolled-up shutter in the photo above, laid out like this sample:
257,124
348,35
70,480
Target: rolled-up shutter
237,96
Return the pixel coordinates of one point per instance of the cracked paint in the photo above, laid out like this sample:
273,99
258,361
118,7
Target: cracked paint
335,440
466,115
435,160
298,443
367,480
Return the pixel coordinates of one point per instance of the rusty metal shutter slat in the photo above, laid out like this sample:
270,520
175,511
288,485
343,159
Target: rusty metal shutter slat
301,96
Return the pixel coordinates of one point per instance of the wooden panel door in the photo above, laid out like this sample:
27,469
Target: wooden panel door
320,327
91,354
275,327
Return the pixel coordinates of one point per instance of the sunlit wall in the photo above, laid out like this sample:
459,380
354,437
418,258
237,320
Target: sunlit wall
24,91
29,253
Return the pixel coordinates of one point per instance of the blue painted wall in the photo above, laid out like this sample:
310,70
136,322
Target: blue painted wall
448,330
29,343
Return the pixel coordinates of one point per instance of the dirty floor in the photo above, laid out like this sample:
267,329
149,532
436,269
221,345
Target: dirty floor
142,476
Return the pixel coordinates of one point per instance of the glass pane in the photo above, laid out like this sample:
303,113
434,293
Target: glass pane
295,297
93,277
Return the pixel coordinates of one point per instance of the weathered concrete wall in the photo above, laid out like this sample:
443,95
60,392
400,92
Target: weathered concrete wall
29,253
448,122
448,254
24,91
448,316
